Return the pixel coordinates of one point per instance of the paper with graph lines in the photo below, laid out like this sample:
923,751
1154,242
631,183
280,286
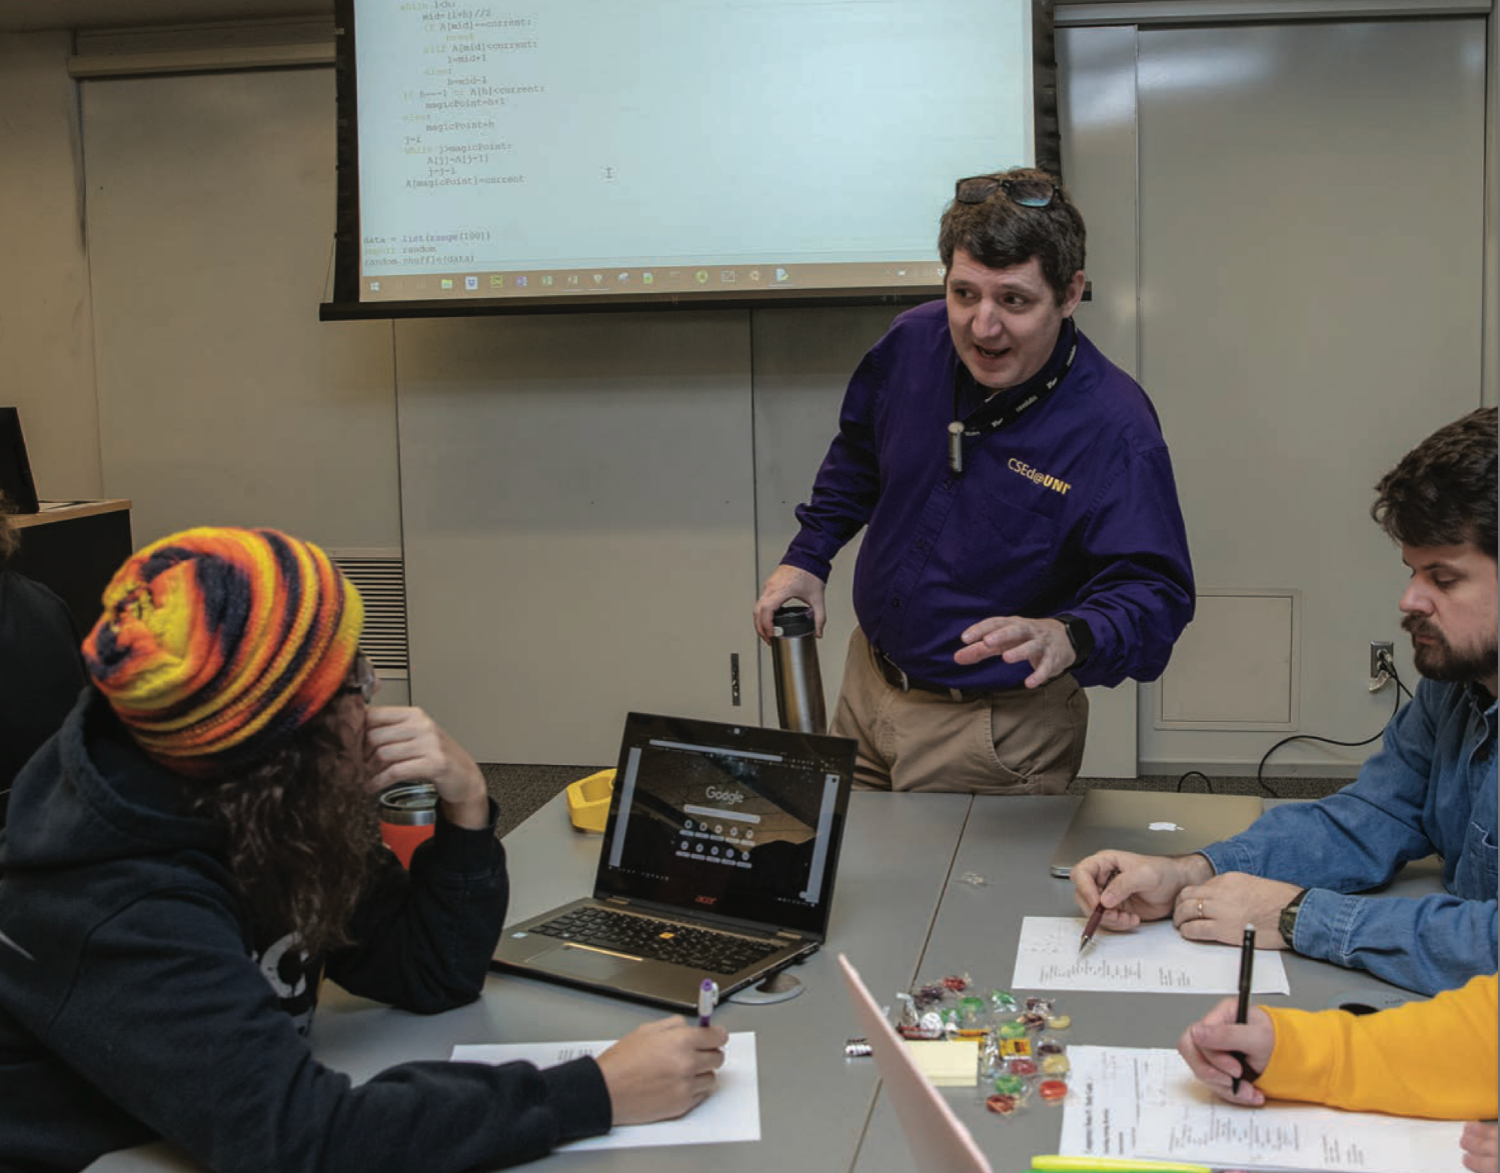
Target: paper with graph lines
1153,958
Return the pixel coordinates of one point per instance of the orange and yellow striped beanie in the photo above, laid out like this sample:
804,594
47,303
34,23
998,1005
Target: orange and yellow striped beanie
217,644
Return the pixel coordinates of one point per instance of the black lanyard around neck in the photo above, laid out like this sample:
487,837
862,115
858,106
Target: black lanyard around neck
1005,408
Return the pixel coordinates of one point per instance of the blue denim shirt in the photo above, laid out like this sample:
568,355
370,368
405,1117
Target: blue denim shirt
1431,789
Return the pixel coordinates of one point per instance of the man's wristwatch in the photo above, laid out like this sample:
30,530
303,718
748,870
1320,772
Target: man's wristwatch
1287,925
1080,635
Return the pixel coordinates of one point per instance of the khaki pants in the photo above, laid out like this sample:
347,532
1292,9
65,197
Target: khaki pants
1021,741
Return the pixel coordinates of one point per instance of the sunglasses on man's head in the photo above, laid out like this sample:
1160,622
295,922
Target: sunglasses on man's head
1027,193
363,680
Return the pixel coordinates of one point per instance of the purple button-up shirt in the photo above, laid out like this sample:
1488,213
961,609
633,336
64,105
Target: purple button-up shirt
1071,508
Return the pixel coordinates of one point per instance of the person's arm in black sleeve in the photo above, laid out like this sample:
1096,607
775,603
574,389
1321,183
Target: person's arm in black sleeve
423,940
169,1019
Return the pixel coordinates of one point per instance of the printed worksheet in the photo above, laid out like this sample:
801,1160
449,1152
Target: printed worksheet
1135,1102
732,1113
1153,959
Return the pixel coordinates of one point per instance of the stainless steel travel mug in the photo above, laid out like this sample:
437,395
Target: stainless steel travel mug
799,683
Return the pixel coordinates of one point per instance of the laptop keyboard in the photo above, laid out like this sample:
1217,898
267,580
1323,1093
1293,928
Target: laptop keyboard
660,940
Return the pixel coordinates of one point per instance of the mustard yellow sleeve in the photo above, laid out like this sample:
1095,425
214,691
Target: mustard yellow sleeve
1436,1059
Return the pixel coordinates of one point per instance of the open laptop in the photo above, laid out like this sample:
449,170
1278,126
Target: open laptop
1151,822
15,468
717,861
938,1139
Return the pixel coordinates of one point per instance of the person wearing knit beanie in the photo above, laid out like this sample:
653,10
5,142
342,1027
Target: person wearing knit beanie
197,847
221,651
217,644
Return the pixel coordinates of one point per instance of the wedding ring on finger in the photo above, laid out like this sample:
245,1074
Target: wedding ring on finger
1200,910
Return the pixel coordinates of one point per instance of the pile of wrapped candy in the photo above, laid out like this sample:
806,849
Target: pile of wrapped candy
1018,1053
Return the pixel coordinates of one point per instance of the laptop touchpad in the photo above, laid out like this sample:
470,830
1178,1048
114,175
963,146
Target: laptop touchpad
572,961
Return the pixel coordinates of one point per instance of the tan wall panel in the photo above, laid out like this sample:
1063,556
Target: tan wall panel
1096,93
579,514
46,326
1311,291
803,361
222,398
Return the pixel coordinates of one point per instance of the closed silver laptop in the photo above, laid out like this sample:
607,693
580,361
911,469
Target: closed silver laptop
1151,822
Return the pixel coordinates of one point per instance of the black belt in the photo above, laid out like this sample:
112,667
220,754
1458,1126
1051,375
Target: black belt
896,678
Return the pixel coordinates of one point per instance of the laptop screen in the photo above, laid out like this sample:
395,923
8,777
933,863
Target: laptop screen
727,820
15,468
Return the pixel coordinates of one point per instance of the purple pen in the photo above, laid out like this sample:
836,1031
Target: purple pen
708,998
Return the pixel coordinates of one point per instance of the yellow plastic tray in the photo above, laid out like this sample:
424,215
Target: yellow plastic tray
588,800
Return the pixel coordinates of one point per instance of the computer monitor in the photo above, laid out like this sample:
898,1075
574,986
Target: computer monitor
15,468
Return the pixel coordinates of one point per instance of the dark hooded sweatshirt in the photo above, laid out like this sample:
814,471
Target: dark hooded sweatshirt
137,1001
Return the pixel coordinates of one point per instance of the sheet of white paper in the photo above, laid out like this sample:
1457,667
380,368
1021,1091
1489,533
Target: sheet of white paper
1153,959
732,1113
1129,1102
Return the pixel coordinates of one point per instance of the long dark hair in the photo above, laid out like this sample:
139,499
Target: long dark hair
300,830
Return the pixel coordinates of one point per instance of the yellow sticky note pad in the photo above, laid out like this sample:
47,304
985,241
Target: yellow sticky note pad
946,1062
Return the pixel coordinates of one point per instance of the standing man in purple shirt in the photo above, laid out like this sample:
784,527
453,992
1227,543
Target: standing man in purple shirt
1023,537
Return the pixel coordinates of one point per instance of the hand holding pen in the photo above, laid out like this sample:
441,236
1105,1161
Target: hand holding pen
1242,1005
1141,887
1092,926
1226,1054
662,1069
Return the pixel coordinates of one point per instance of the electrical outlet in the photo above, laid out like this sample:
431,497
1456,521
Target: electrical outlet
1379,649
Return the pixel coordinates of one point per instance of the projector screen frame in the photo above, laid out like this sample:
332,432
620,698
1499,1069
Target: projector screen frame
345,303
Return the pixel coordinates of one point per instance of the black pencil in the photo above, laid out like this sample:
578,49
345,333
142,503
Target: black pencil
1242,1012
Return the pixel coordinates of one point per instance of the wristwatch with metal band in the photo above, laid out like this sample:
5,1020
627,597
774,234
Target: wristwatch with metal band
1287,925
1080,635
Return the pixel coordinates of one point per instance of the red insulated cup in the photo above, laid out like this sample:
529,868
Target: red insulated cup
408,815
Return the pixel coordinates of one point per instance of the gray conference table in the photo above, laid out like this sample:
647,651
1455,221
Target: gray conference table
906,908
1009,843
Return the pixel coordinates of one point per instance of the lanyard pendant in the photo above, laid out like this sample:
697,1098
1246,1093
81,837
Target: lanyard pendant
956,447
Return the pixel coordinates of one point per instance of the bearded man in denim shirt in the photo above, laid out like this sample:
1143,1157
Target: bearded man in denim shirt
1431,789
